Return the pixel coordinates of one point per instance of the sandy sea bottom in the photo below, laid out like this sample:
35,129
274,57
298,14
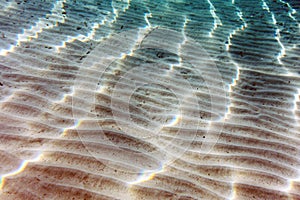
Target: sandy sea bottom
149,99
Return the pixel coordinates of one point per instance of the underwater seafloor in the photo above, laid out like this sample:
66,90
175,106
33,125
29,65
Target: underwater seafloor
130,99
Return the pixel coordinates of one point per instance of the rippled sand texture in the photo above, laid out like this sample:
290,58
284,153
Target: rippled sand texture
119,100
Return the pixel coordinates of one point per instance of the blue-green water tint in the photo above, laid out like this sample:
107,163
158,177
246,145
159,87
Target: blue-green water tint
247,89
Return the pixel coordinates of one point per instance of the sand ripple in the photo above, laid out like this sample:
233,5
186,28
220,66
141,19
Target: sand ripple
145,100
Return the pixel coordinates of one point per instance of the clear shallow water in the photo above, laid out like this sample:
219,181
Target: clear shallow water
148,100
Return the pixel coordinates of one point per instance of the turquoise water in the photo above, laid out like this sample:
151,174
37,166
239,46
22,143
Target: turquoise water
130,99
